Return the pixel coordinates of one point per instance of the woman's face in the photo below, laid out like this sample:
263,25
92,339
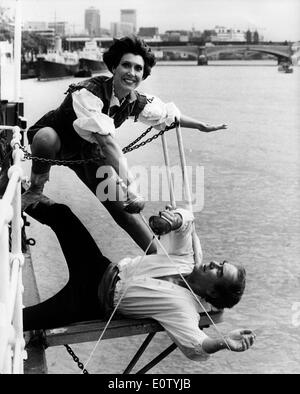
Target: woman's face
128,74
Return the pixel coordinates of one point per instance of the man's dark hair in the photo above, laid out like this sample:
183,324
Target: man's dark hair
130,44
229,293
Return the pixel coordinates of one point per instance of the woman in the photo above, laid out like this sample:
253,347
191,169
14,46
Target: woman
84,125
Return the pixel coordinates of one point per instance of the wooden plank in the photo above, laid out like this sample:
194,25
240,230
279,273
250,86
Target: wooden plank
91,331
36,358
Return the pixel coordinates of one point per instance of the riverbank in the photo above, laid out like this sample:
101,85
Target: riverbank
251,209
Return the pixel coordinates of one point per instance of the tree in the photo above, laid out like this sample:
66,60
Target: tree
256,37
6,25
207,34
33,44
248,37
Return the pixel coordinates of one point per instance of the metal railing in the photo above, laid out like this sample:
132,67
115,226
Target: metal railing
12,344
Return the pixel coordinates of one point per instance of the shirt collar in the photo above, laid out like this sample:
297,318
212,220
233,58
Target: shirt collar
113,100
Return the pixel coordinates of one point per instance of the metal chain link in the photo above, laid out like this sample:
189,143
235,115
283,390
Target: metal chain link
129,148
29,156
132,145
76,359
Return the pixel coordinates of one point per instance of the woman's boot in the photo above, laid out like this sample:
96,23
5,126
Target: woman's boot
34,193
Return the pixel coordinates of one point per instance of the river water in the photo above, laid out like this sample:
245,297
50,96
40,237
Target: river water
251,209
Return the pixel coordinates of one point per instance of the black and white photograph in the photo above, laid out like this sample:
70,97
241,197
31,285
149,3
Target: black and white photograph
149,189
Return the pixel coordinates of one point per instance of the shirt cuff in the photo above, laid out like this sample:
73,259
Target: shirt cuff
187,216
159,114
86,127
197,354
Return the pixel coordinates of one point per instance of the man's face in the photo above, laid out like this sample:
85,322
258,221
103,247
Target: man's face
214,272
128,74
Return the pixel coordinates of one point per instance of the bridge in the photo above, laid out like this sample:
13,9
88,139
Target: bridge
283,52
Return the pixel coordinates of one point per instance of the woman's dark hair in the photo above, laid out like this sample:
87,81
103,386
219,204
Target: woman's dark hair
229,293
131,44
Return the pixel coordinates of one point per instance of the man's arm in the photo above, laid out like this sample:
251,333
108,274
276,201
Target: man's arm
236,340
191,123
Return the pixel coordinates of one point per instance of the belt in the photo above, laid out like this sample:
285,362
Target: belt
106,289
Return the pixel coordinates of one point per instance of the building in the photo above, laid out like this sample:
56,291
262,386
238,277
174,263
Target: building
149,33
92,21
177,35
58,27
40,28
7,74
228,34
129,16
35,25
121,29
45,28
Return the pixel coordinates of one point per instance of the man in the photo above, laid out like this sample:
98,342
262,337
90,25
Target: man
154,286
85,123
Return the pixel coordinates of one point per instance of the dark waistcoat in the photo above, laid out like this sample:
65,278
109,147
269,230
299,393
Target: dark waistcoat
61,119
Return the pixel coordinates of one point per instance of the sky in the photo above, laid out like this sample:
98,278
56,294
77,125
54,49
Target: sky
276,20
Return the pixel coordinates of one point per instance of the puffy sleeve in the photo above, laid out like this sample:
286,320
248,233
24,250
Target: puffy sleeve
159,114
90,119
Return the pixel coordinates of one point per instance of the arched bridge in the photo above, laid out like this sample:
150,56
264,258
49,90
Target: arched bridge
281,51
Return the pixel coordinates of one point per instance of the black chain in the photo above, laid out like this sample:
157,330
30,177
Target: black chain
76,359
129,148
29,156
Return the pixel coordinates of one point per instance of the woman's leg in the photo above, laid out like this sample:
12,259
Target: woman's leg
46,144
78,300
131,223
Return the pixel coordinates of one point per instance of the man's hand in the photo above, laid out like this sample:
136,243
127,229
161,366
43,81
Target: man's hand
240,340
208,128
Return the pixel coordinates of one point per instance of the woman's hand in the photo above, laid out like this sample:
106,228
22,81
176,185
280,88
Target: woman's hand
192,123
134,203
240,340
208,128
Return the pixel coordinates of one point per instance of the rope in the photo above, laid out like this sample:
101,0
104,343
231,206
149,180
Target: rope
189,200
182,277
122,296
129,148
114,311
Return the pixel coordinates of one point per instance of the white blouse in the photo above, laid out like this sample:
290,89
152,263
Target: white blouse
91,119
